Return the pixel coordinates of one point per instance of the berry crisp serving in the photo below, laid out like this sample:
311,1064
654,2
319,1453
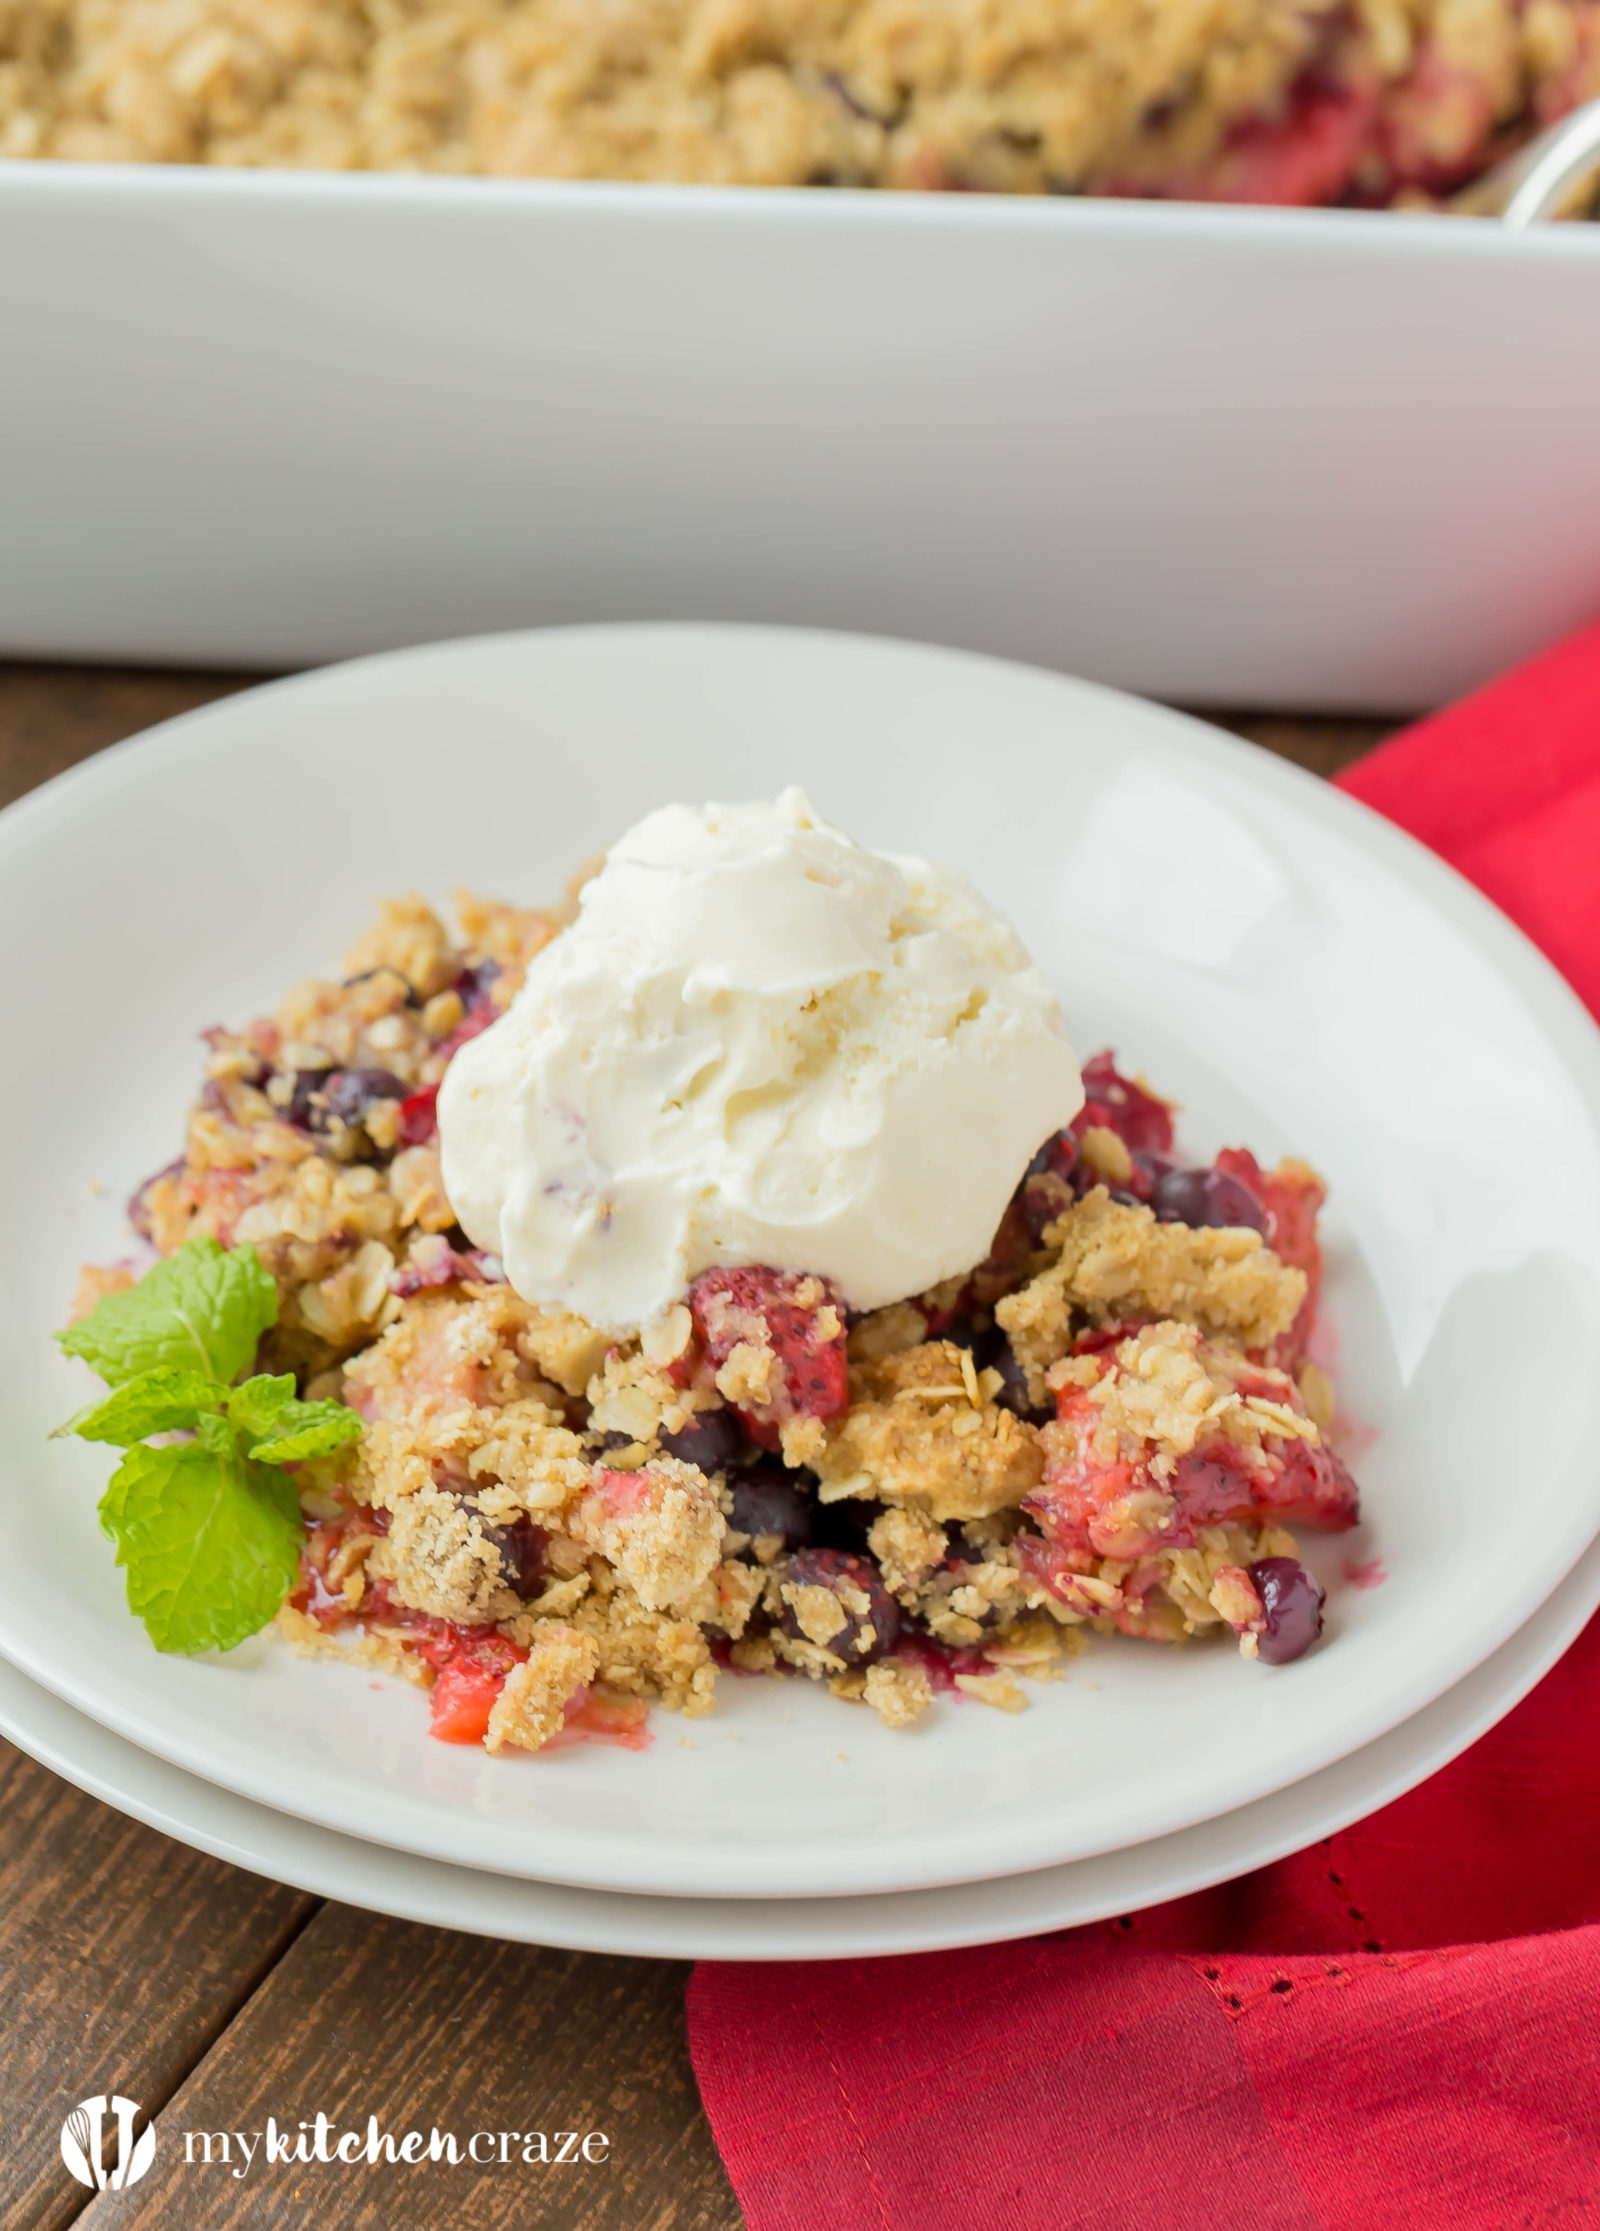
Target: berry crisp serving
365,1387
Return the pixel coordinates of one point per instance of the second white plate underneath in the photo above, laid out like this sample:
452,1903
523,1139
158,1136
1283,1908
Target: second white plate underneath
427,1890
1299,973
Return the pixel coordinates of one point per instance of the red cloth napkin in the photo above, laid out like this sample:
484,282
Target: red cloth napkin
1397,2028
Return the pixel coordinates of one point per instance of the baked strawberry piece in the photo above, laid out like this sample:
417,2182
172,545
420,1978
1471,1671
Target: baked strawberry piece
773,1343
1159,1442
1113,1102
471,1665
1166,1433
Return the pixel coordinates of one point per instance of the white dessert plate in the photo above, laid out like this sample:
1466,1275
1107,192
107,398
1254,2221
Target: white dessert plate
1299,973
428,1890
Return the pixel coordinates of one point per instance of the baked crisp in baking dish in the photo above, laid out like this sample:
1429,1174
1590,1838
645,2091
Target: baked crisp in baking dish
1365,102
1108,1425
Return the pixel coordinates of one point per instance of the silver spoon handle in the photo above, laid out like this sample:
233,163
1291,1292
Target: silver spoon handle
1537,182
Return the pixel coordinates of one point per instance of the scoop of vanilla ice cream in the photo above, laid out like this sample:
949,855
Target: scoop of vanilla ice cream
757,1043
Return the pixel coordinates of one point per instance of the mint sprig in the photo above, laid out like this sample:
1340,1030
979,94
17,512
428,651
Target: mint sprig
208,1529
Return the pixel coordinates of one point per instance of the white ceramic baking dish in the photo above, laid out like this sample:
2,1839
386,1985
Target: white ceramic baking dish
1297,458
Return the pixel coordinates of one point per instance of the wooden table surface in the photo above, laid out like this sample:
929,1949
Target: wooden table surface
214,1999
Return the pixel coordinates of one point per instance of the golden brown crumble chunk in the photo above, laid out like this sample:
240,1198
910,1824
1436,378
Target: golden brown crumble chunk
1117,1261
922,1430
473,1345
661,1527
887,1332
533,1704
437,1559
567,1348
969,1602
907,1544
417,1184
631,1395
997,1689
1105,1154
1168,1385
517,1459
379,1650
409,938
899,1694
660,1655
728,1597
93,1286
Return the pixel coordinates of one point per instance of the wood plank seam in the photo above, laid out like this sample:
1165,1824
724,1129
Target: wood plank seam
429,2030
210,2038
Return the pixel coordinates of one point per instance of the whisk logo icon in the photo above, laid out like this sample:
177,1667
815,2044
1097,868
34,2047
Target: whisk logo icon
83,2141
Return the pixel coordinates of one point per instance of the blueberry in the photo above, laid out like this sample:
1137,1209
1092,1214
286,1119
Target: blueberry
473,983
845,1524
1291,1609
139,1204
1047,1187
1013,1393
768,1500
1045,1198
1058,1154
981,1336
838,1571
322,1097
712,1439
991,1351
1207,1197
351,1092
306,1098
519,1546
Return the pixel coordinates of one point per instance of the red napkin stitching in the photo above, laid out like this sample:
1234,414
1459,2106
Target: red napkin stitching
1320,2046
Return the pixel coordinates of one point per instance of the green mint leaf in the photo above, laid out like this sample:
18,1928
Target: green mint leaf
323,1427
217,1437
210,1544
257,1405
163,1401
278,1429
202,1309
